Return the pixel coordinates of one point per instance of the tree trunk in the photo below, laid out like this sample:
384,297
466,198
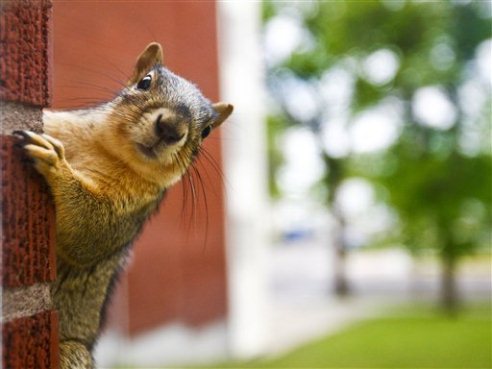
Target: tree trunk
449,291
341,285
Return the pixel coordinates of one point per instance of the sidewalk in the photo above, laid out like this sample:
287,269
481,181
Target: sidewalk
303,306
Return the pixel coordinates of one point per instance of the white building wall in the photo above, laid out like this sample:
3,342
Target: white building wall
245,167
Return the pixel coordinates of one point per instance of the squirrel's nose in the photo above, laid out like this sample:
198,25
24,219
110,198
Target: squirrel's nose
168,132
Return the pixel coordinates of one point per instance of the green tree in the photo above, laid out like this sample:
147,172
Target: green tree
437,175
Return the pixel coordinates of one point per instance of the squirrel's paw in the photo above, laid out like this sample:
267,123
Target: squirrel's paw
47,153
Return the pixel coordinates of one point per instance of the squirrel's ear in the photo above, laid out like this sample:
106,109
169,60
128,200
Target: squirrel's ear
223,110
151,56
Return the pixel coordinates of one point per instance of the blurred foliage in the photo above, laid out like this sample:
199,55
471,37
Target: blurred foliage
274,126
440,192
443,203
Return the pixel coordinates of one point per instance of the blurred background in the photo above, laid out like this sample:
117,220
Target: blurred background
341,217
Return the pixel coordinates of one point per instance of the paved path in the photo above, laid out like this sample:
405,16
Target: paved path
303,306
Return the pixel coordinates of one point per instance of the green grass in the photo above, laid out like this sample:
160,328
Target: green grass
407,338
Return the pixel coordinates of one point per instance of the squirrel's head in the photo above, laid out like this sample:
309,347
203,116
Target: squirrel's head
161,119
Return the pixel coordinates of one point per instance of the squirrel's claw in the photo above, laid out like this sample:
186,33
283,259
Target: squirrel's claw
19,133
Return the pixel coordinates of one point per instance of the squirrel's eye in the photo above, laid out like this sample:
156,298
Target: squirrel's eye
206,131
144,83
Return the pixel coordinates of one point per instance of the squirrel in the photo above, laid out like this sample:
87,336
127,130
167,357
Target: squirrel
108,168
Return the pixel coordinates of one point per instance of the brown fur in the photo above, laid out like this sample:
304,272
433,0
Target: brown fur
108,168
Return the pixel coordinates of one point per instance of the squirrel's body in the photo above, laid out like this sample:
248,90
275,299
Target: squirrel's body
108,169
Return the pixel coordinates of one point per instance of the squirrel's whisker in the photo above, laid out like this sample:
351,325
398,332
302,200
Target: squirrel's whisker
121,83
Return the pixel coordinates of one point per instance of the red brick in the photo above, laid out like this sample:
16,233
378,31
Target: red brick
25,51
31,342
27,221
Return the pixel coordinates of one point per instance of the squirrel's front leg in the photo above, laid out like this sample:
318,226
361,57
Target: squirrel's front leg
76,198
47,153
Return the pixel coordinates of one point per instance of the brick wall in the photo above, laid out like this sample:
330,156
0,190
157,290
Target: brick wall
29,325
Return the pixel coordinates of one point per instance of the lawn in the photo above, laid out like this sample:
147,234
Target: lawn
406,338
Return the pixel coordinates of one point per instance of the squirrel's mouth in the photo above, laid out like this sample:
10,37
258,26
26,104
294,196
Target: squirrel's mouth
167,143
148,151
